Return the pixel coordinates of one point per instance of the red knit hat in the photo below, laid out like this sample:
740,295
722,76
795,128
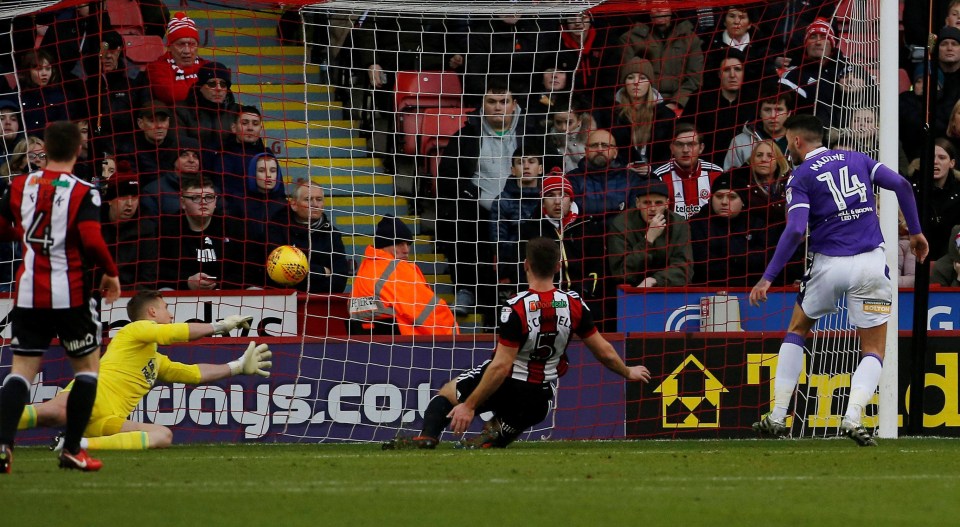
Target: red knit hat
556,180
181,26
821,26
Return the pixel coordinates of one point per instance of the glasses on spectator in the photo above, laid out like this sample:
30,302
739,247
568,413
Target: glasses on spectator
33,156
684,145
216,83
600,145
200,198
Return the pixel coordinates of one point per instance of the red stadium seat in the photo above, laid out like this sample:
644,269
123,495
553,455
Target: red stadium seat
904,81
126,19
437,126
427,89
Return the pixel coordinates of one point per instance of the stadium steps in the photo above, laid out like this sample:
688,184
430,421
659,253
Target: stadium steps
272,76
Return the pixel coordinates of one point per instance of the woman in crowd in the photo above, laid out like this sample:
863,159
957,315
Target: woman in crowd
641,123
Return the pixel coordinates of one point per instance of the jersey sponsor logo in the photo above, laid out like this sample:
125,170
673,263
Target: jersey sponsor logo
38,180
77,344
876,306
536,305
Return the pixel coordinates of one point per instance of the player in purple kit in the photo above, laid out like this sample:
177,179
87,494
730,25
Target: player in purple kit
832,191
517,384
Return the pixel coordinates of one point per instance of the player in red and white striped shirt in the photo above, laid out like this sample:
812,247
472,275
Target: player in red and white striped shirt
517,383
57,218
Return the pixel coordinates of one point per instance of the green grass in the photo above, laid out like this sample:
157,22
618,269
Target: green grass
675,483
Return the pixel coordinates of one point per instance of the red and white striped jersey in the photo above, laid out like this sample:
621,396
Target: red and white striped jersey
540,324
45,208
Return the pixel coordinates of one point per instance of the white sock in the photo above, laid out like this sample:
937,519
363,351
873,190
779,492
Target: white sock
789,366
84,444
863,386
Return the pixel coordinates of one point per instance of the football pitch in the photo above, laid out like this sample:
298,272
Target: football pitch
675,483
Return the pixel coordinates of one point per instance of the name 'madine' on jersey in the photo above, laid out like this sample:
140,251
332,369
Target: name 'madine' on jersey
837,187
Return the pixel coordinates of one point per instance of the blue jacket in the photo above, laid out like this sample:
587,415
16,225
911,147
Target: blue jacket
606,192
514,205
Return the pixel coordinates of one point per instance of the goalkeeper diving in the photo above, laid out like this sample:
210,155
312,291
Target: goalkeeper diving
132,365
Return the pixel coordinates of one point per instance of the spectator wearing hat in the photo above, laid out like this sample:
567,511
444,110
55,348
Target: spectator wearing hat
816,79
947,71
113,97
208,112
264,197
390,293
581,237
130,238
641,121
154,147
649,245
675,52
946,270
519,201
172,75
726,105
688,177
729,244
305,224
161,196
199,249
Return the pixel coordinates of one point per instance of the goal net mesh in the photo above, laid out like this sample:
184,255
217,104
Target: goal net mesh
465,128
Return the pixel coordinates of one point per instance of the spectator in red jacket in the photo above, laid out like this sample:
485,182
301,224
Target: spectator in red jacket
175,72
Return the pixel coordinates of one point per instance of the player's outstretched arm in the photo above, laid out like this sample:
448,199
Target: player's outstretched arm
232,322
608,356
110,287
254,361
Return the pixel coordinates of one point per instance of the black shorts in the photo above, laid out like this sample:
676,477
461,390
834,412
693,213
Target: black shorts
519,404
78,329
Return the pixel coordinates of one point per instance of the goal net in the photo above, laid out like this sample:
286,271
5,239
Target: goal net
465,128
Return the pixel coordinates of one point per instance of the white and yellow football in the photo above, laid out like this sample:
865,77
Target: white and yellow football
287,265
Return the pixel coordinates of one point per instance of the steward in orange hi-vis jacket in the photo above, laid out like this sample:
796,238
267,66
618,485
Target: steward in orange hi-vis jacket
388,288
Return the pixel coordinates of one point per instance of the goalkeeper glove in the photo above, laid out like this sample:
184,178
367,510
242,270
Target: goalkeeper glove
256,360
225,326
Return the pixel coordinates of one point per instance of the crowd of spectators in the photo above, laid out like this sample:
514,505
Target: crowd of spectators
651,146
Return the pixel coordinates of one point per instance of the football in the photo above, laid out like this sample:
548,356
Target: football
287,265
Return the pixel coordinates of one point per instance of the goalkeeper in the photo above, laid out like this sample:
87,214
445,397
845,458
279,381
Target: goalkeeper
132,365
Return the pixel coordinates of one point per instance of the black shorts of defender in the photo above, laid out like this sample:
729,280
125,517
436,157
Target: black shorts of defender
517,404
78,329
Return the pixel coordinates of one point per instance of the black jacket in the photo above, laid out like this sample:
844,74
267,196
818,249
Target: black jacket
323,245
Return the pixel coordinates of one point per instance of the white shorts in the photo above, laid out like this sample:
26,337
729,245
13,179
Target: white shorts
864,278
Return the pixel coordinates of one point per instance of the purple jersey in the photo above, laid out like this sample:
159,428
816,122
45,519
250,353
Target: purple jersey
837,188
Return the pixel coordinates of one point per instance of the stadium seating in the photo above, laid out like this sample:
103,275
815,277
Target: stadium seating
436,128
126,19
418,91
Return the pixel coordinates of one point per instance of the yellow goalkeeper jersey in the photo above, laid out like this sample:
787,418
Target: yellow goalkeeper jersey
132,364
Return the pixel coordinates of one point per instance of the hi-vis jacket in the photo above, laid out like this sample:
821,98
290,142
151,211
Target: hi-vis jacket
387,288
